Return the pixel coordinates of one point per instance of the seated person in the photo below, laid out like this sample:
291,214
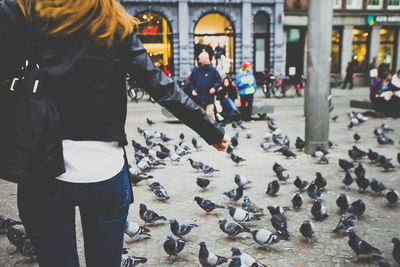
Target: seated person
382,95
227,95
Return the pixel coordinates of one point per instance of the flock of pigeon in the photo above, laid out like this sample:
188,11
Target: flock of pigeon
154,151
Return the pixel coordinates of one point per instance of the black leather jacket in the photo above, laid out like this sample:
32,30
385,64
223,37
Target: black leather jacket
87,82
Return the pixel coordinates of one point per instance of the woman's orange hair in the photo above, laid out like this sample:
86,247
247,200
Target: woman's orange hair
103,20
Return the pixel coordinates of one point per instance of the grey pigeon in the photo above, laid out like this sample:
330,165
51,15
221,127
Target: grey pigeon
307,230
318,210
360,247
265,238
149,216
240,215
173,247
128,261
245,259
180,229
133,230
232,228
207,205
208,258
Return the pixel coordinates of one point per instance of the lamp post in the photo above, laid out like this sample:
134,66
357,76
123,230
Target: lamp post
316,100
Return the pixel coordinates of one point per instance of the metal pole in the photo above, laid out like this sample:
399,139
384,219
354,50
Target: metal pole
318,74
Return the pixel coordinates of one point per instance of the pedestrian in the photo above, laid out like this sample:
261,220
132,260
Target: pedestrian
382,95
373,70
83,63
203,83
349,78
246,83
227,94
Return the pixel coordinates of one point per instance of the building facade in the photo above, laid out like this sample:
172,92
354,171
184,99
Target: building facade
174,32
362,30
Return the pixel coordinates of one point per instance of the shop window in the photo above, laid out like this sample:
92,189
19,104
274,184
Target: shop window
214,34
336,48
360,49
393,4
337,4
261,42
354,4
374,4
386,47
155,34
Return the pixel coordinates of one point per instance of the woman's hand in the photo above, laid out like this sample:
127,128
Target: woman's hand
223,144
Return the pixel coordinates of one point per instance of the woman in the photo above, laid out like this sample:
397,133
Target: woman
227,95
246,83
84,49
382,96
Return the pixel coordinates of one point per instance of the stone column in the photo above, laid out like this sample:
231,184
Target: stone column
247,39
347,48
320,15
184,60
278,18
397,62
375,40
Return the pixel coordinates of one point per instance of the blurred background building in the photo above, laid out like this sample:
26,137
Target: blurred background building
175,32
362,30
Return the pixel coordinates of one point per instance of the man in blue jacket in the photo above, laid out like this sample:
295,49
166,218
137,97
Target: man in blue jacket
203,82
246,83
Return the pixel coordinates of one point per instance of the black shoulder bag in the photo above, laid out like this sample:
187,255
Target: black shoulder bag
30,137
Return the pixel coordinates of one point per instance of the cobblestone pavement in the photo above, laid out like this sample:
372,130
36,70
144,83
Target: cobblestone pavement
379,224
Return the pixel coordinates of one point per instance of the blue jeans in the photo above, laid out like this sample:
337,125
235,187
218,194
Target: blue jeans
48,214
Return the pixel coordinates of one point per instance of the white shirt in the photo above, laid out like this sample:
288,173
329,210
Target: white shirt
91,161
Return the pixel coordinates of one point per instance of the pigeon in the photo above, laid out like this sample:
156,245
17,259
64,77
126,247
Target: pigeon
162,155
249,133
249,206
286,141
21,241
372,156
235,194
386,164
392,196
160,192
245,259
182,136
320,157
300,184
196,144
356,154
209,259
378,132
345,165
229,150
278,221
150,122
265,238
357,208
313,192
343,202
235,140
241,125
386,128
347,180
140,130
181,151
277,168
6,222
203,182
133,230
163,148
207,205
360,247
149,216
128,261
271,125
184,146
173,247
384,140
377,186
232,228
273,188
356,137
334,118
208,169
353,122
396,250
359,170
320,181
180,229
277,210
362,183
300,144
240,215
283,176
234,124
164,138
288,154
266,146
307,230
195,164
381,261
241,180
237,159
318,210
347,221
174,157
149,143
151,183
297,200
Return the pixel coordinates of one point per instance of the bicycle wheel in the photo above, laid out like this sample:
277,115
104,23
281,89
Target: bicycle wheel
139,93
131,94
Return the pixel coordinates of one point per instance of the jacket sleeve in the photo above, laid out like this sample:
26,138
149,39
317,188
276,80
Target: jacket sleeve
238,82
218,80
191,80
164,91
13,28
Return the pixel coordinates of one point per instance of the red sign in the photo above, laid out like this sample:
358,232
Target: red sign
150,30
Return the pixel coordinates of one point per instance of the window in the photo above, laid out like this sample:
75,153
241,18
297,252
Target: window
374,4
393,4
336,47
261,42
354,4
337,4
386,47
360,49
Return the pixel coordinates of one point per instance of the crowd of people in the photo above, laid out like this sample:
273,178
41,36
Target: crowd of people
217,96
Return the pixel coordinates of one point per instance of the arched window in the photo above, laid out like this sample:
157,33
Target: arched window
214,33
261,42
156,36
